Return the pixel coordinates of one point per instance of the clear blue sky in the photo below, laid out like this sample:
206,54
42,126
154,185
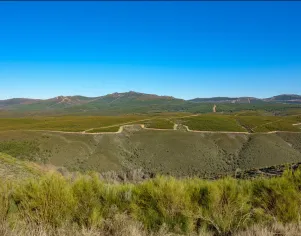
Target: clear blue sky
183,49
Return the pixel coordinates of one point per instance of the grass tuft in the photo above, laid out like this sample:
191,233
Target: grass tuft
160,206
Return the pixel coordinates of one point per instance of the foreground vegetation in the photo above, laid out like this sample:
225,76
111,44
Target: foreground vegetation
86,205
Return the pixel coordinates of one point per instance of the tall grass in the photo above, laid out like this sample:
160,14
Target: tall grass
187,206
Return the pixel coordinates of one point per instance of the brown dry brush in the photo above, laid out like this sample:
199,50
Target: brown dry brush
56,205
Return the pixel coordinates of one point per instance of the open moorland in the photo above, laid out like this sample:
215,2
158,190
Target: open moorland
166,152
136,173
180,144
251,122
83,154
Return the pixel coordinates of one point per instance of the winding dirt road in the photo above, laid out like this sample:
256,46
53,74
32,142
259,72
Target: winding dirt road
297,124
271,122
121,129
175,128
122,124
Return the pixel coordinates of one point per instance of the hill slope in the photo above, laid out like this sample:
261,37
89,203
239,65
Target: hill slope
227,100
165,152
285,98
13,168
134,102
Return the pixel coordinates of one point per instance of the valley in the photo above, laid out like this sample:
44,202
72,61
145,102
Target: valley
150,118
173,137
178,144
129,148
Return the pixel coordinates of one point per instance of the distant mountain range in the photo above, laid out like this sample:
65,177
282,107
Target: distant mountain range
284,98
134,102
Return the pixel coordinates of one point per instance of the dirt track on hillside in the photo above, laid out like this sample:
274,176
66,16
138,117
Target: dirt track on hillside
297,124
121,129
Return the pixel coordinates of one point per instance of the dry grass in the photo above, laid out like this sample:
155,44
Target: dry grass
272,230
121,226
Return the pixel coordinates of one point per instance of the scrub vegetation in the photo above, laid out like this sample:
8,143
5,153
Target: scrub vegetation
79,201
66,123
86,205
247,121
212,123
270,123
159,124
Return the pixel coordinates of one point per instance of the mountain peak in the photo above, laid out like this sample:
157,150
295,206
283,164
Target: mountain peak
139,95
285,97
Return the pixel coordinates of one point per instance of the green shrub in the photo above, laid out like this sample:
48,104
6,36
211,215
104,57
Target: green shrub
48,200
164,200
88,193
5,198
97,200
225,205
183,206
276,198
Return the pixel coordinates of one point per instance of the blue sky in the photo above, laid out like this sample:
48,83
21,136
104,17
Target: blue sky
182,49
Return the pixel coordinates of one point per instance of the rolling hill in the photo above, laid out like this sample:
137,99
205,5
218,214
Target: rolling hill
17,101
160,152
285,98
227,100
134,102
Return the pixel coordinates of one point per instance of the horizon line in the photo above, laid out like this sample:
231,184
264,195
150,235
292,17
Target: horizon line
288,94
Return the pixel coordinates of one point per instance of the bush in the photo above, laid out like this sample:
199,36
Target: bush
88,200
5,196
225,205
48,200
276,199
182,206
165,200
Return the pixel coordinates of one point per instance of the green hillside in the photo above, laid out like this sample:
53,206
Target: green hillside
174,152
134,102
15,169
